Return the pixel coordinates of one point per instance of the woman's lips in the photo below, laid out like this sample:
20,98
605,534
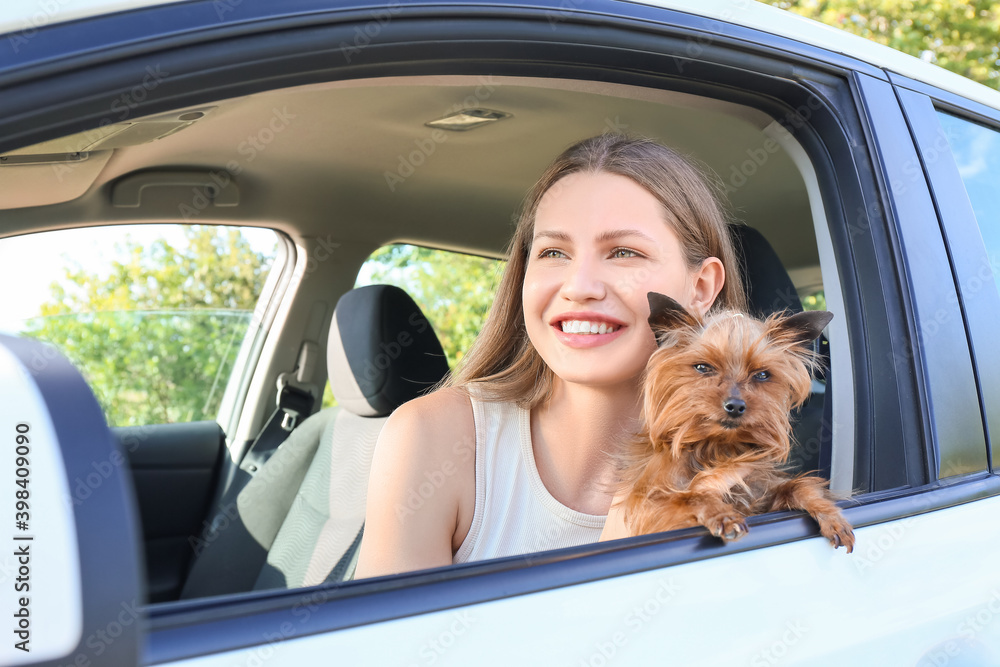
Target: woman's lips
585,340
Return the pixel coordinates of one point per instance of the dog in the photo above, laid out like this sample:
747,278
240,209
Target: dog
717,395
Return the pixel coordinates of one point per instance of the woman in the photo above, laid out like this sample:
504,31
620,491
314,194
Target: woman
512,455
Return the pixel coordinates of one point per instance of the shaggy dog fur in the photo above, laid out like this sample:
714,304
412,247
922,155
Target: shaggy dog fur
717,397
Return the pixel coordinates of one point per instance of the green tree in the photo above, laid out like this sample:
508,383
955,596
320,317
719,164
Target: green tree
959,36
157,335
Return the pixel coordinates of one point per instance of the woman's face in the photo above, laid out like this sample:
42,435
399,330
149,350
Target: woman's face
600,245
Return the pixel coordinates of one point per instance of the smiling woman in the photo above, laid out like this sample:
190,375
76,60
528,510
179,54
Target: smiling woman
551,387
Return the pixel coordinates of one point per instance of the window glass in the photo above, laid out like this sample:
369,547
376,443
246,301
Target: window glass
152,315
976,149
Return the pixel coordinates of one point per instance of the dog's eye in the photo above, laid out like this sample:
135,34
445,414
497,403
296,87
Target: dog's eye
703,368
761,376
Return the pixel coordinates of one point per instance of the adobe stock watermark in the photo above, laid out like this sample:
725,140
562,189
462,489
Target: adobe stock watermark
223,7
85,486
634,621
913,168
120,110
434,478
203,196
929,324
424,147
99,641
259,494
47,9
967,648
323,250
434,648
740,174
695,46
364,34
780,647
563,12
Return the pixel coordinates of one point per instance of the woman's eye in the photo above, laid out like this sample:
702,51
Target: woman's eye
550,253
703,368
761,376
622,253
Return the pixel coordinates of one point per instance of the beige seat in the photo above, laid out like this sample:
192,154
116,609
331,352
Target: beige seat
298,521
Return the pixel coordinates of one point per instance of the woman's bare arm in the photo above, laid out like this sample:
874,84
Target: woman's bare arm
421,485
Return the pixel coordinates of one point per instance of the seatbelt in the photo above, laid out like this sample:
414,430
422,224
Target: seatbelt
344,569
294,405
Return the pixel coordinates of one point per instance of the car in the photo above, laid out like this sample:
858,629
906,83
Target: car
308,135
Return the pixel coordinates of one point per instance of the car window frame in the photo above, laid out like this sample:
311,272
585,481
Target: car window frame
945,371
981,306
236,395
867,253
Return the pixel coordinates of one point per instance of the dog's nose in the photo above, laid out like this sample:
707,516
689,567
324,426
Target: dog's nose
734,406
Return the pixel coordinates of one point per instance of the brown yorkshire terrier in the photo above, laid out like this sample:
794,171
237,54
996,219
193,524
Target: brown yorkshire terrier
717,398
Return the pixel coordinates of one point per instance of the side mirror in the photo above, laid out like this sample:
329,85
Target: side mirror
70,568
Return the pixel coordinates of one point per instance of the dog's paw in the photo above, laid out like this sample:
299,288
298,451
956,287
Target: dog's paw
728,526
837,530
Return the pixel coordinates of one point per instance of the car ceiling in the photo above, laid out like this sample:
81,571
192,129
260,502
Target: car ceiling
323,151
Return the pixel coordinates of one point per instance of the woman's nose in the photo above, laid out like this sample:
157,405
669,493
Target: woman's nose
583,282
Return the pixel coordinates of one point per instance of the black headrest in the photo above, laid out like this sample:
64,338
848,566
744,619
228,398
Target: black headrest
382,351
768,286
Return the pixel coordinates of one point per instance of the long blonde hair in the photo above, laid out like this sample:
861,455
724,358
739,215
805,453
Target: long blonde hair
502,363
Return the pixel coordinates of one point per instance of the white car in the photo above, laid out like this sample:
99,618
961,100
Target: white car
319,131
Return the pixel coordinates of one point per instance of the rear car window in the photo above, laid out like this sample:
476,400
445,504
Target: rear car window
976,149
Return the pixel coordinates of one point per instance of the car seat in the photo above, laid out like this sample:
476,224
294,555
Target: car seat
298,520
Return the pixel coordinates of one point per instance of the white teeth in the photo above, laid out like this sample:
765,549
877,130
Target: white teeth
586,327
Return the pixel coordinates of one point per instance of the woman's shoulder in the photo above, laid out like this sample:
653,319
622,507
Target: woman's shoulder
436,421
445,404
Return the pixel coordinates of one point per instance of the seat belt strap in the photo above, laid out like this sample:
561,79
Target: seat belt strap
294,405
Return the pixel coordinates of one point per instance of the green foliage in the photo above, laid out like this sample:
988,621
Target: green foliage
814,301
454,290
959,36
156,336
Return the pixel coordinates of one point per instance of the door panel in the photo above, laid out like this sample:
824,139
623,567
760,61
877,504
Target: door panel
175,468
908,595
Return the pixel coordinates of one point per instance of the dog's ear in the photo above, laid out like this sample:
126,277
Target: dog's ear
666,315
802,328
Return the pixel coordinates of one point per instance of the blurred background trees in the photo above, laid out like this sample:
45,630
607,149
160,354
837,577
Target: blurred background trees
157,333
958,36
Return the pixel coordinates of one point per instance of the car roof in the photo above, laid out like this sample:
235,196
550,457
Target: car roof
16,17
29,16
770,19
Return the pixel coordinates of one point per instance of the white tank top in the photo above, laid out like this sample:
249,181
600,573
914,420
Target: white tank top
515,514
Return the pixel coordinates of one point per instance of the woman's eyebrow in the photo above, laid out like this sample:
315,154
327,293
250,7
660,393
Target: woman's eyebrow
607,235
618,234
554,235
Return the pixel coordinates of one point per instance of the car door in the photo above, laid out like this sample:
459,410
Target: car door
905,428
